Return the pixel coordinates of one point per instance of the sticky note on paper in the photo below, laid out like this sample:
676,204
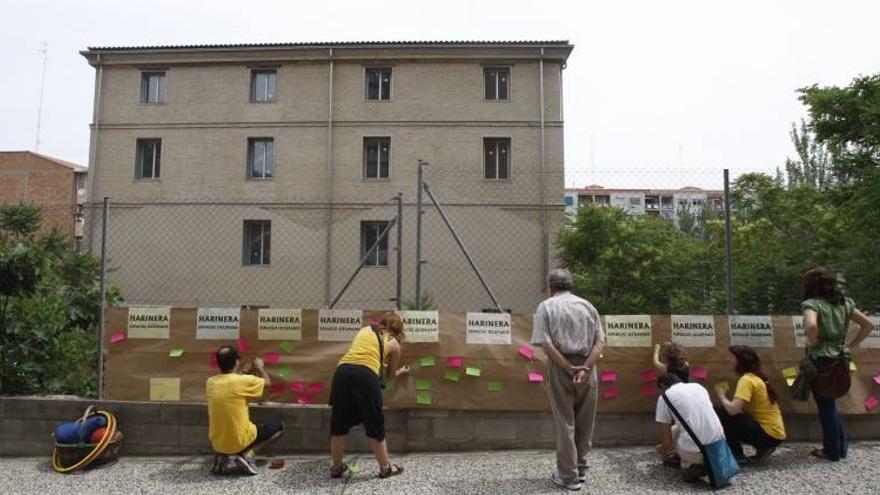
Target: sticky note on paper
700,373
276,388
608,376
305,399
649,376
790,372
423,385
284,371
427,361
451,375
286,347
722,386
298,387
852,366
877,378
494,386
526,352
354,469
242,345
423,399
117,337
453,362
535,377
315,388
649,390
176,352
164,389
790,381
871,403
611,393
473,371
271,358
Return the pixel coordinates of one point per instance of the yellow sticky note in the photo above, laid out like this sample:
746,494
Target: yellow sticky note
354,468
473,371
852,366
789,381
176,352
164,389
790,372
722,386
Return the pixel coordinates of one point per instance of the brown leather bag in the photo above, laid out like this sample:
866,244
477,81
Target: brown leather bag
832,381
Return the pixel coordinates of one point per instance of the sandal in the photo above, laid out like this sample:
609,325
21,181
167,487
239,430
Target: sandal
392,470
820,453
338,472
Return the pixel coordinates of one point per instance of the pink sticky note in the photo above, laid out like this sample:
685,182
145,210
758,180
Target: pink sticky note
871,403
271,358
316,388
242,345
298,387
608,376
611,393
700,373
535,377
117,337
277,388
877,378
305,399
453,362
214,361
649,376
526,352
649,390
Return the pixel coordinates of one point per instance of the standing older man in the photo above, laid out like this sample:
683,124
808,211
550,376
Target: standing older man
570,332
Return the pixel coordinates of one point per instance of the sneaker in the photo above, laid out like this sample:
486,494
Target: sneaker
246,464
558,481
761,455
673,461
216,468
582,475
694,473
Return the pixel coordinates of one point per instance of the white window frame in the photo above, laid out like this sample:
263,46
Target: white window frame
374,260
140,143
146,87
254,93
378,158
509,69
497,139
390,84
246,243
251,150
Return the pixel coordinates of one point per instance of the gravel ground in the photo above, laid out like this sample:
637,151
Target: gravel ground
631,471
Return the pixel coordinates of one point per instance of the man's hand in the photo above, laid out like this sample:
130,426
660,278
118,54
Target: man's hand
580,376
403,370
258,364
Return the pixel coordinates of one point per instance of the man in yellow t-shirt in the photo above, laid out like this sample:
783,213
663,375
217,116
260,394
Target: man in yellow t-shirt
230,430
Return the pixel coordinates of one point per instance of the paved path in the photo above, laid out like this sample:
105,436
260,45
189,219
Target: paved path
631,471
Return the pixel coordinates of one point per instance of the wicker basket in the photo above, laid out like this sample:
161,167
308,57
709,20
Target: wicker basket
70,454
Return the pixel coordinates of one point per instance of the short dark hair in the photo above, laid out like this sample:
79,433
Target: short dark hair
667,380
226,358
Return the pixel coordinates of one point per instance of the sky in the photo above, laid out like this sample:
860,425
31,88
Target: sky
657,93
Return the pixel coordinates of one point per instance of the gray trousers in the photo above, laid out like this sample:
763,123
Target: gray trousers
574,414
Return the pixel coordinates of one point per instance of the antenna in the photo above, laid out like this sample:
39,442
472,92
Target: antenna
45,52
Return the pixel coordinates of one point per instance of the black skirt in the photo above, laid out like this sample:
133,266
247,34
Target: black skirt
356,397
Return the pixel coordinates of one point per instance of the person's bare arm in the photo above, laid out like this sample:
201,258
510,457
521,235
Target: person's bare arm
865,327
258,365
593,358
394,369
557,357
811,326
733,407
658,365
666,442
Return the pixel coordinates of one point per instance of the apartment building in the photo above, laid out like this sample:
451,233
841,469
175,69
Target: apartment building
666,203
57,186
261,174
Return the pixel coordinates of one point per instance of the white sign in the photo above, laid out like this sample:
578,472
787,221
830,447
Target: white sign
149,323
873,340
800,335
339,325
488,328
218,323
279,324
754,331
421,326
628,330
693,331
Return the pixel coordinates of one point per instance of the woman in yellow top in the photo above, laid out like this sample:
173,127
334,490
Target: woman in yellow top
753,416
356,393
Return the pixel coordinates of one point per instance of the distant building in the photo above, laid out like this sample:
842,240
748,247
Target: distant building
667,203
58,187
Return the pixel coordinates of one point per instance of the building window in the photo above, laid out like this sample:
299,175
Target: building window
263,85
149,153
603,200
370,232
261,158
496,157
257,242
378,83
497,83
377,152
152,87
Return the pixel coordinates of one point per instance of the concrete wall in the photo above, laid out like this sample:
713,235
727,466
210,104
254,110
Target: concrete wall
26,425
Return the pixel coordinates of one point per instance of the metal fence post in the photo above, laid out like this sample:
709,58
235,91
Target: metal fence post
419,213
399,294
105,220
728,251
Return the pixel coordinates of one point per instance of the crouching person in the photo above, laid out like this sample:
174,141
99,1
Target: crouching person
695,408
233,436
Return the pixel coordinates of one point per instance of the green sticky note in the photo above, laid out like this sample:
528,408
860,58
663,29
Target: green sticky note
472,371
354,469
286,347
284,370
423,399
427,361
494,386
389,386
176,352
451,375
423,385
